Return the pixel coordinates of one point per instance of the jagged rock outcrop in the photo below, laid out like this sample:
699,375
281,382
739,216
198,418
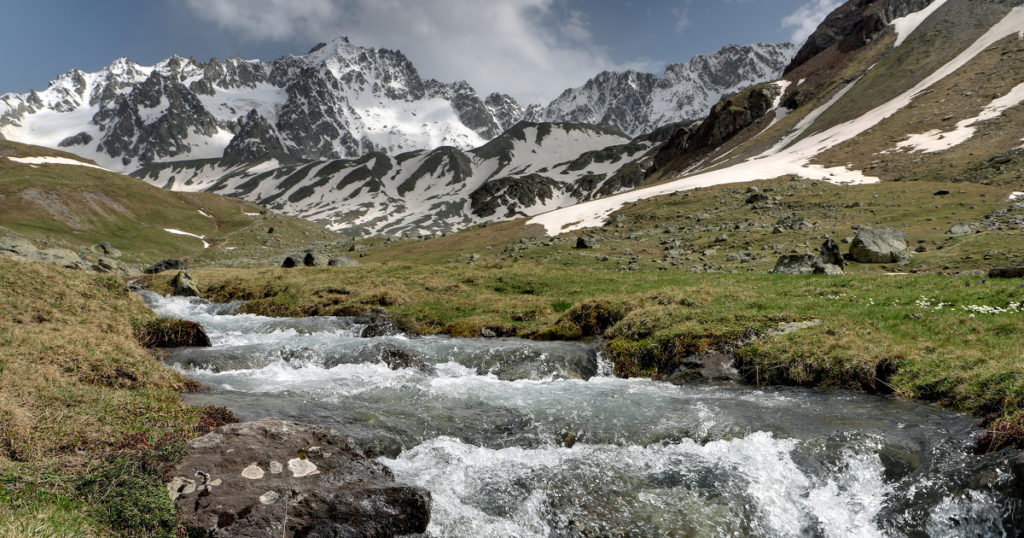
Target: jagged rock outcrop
854,24
341,101
637,103
255,138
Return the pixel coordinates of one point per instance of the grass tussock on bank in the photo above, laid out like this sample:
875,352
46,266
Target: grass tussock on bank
86,415
955,340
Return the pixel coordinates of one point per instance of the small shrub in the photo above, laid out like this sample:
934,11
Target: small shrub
214,417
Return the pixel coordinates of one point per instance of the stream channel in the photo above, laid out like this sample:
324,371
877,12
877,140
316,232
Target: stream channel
522,438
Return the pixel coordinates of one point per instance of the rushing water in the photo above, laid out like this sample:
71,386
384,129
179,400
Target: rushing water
520,438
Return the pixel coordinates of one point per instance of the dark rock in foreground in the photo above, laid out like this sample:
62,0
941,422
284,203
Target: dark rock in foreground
1006,272
279,478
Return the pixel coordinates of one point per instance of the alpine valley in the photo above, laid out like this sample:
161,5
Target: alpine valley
775,291
354,138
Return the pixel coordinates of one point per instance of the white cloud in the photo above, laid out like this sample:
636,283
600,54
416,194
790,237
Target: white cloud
807,17
682,18
523,47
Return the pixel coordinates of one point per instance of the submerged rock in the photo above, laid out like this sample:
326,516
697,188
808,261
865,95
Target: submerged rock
279,478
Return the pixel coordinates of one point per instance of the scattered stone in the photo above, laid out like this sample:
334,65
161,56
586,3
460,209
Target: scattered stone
166,265
884,245
328,487
759,198
793,222
942,192
185,285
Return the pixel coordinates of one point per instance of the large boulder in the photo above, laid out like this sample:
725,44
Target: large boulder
61,257
280,478
1006,272
960,228
795,264
313,259
106,249
884,245
166,265
291,261
17,245
185,285
831,254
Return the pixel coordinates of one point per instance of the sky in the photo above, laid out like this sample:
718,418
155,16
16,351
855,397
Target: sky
530,49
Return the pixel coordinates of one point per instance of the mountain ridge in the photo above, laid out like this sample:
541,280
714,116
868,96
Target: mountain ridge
337,101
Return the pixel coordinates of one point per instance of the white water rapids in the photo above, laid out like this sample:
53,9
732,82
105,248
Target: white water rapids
521,438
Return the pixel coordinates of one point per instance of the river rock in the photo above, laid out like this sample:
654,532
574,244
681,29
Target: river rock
185,285
884,245
344,261
166,265
280,478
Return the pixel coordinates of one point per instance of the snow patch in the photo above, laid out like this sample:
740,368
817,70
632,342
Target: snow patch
53,160
783,159
904,26
179,232
937,140
264,167
1016,196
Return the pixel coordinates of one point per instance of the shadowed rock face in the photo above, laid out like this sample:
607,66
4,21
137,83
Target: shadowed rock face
853,25
274,477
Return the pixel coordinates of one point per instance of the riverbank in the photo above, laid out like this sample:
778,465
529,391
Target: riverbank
949,339
88,420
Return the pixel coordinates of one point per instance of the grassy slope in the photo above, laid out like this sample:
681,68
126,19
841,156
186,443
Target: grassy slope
874,334
76,206
74,384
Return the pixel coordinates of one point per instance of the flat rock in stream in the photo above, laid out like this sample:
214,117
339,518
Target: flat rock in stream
279,478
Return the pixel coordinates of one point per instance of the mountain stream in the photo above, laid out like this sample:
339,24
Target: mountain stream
523,438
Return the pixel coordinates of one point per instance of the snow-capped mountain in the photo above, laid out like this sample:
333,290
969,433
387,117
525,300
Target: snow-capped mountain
638,102
529,169
338,101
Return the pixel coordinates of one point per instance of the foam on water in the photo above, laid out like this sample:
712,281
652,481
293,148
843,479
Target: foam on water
482,424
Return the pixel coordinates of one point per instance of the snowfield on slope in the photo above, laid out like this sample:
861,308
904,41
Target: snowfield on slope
783,159
53,160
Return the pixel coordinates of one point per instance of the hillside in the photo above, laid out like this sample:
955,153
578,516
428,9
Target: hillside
56,199
529,169
863,110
